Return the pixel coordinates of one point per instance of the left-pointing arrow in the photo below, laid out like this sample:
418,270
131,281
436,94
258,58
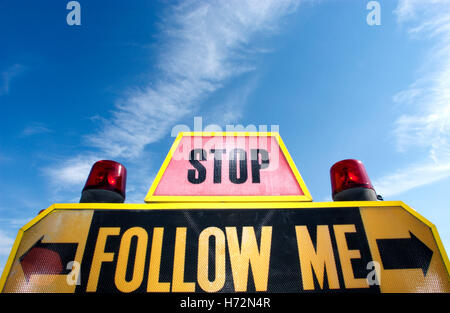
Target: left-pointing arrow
47,258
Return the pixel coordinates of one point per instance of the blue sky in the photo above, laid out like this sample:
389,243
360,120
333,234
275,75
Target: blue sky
115,87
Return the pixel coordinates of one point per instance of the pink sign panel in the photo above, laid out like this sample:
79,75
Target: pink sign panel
202,167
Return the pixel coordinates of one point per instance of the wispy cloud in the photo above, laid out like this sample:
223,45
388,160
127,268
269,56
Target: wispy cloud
412,176
73,171
14,222
6,77
6,243
204,44
4,158
231,109
34,129
427,126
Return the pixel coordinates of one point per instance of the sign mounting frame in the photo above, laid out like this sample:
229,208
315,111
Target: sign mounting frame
306,197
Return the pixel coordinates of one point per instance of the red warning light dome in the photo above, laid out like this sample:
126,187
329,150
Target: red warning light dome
107,175
347,174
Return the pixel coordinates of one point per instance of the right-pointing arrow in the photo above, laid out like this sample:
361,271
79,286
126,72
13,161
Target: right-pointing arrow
404,253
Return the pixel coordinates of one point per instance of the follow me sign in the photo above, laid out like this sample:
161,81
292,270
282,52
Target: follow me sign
228,247
181,252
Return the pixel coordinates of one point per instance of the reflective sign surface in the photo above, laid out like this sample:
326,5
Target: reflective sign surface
227,166
239,247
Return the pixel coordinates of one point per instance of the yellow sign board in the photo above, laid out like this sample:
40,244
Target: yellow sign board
228,247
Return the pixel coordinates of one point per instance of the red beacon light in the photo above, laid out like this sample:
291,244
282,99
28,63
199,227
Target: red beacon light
350,182
106,183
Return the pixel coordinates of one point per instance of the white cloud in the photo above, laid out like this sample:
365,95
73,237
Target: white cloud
408,10
4,158
204,46
7,76
15,222
34,129
427,126
415,175
6,243
231,109
71,172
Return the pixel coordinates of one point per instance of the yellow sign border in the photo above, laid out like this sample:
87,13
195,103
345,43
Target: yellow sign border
204,205
150,197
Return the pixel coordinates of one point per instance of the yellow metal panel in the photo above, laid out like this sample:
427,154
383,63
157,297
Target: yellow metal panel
385,222
75,230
